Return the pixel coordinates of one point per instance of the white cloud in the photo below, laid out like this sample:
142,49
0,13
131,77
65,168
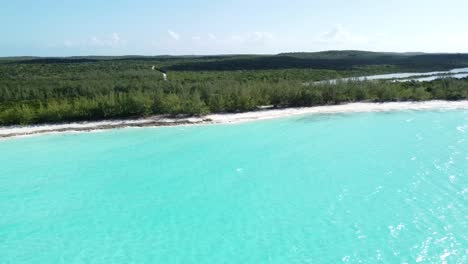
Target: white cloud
211,43
212,36
112,41
95,41
339,35
261,36
115,39
173,34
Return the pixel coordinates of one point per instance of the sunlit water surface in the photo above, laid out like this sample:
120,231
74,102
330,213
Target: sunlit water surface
458,73
342,188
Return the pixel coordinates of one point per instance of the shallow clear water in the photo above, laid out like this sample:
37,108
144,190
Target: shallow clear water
354,188
458,73
435,77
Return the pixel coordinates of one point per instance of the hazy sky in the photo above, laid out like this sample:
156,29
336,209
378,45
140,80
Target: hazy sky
118,27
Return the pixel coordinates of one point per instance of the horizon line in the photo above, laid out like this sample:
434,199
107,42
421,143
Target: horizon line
228,54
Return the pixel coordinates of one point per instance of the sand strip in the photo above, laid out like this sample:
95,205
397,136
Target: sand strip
17,131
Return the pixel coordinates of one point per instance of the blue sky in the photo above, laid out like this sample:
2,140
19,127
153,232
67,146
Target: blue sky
120,27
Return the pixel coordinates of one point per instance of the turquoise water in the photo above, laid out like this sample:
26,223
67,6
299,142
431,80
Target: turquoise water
351,188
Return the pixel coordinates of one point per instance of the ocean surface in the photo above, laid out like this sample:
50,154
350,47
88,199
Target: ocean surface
339,188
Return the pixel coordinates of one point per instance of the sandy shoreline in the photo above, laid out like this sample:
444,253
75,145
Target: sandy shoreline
18,131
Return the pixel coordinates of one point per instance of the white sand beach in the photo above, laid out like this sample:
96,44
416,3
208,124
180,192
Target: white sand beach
229,118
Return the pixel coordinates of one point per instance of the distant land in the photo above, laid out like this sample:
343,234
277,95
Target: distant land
333,59
35,90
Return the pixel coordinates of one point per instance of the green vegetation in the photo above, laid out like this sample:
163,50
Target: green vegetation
39,90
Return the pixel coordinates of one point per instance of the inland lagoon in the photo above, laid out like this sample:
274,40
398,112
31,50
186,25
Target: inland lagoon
375,187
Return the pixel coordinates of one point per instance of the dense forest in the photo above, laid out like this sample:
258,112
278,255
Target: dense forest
39,90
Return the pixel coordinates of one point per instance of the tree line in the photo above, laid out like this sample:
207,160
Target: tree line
215,97
32,93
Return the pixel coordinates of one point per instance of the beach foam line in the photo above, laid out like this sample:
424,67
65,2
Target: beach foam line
154,121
